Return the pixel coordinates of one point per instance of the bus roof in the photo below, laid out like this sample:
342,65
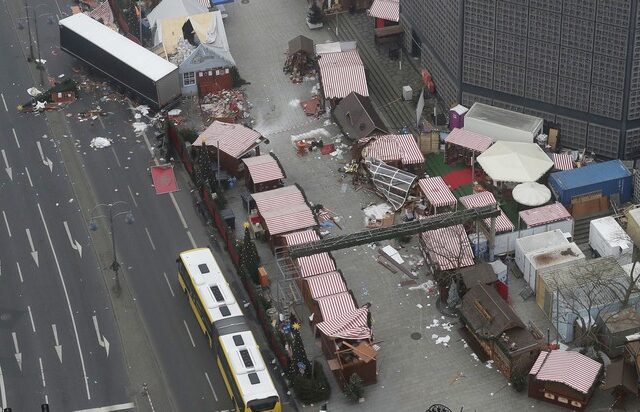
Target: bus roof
248,366
212,287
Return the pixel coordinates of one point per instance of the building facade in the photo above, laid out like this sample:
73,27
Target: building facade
575,63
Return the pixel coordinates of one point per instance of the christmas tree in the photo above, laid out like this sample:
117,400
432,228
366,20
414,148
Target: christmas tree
314,16
203,167
300,364
249,258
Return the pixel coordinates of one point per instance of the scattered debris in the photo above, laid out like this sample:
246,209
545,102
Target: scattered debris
100,142
229,106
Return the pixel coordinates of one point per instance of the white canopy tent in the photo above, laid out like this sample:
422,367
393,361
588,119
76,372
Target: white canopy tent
531,194
515,162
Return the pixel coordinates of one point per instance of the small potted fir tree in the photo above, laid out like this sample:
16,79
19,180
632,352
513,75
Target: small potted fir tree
314,17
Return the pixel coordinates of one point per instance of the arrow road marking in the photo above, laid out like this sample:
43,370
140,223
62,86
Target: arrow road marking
45,160
110,408
6,165
74,243
57,346
34,254
18,355
102,341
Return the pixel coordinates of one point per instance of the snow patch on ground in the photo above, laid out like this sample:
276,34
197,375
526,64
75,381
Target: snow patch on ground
294,103
139,127
311,135
100,142
142,109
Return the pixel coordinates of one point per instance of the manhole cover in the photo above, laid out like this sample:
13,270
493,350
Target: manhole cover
244,1
416,336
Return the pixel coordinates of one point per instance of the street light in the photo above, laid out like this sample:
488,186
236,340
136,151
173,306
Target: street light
34,9
93,226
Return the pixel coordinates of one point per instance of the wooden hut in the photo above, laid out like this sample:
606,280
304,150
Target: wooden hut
564,378
263,173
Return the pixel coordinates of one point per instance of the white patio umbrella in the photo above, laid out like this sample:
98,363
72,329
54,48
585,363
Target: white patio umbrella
531,194
515,162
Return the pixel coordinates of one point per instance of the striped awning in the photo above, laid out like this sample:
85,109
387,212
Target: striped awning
103,11
205,3
544,215
332,307
503,224
562,161
342,73
393,148
469,140
437,192
263,168
232,139
351,325
385,9
284,210
314,264
326,284
570,368
448,247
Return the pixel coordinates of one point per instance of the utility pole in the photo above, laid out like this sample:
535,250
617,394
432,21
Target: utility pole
26,10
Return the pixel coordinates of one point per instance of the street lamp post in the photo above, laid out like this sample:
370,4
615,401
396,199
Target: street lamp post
128,218
26,11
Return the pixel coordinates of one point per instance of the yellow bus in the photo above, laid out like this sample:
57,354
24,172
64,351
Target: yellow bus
238,356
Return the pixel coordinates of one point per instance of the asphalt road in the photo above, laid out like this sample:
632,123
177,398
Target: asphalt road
146,249
52,300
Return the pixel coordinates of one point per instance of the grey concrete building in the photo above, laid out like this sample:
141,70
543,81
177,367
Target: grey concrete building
575,63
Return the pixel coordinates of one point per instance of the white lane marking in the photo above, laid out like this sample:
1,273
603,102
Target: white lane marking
18,355
132,196
102,341
6,222
66,295
46,399
116,156
175,204
4,102
102,123
193,242
28,176
110,408
3,392
33,325
150,240
206,375
168,284
7,168
19,272
189,332
34,253
44,382
45,160
15,136
57,346
75,245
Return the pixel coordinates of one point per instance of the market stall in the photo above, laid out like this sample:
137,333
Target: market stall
398,150
263,173
464,145
341,71
320,286
438,195
502,222
309,265
447,248
515,162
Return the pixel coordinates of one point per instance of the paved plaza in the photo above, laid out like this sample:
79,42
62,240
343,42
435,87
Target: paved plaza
438,367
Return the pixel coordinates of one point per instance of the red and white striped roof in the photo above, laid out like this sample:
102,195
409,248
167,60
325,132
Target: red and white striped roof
103,11
437,192
233,139
205,3
448,247
352,325
544,214
393,147
342,73
385,9
313,264
562,161
326,284
263,168
284,210
470,140
503,224
570,368
331,307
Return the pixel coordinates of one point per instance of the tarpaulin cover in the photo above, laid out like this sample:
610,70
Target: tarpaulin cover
164,180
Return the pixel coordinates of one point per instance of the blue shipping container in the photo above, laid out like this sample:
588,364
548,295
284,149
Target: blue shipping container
608,178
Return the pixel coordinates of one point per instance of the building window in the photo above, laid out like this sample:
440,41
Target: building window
549,395
576,404
563,400
188,78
